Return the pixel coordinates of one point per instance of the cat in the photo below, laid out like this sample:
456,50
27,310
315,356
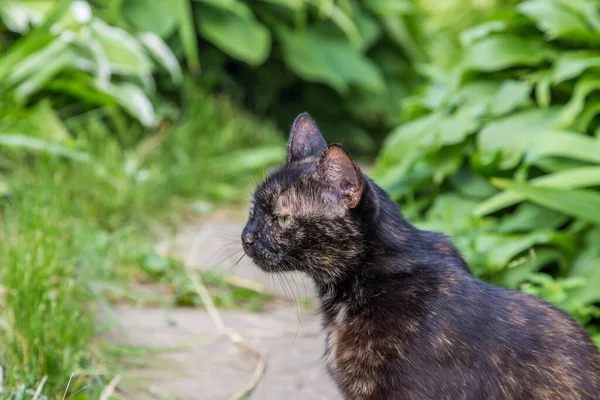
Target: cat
403,315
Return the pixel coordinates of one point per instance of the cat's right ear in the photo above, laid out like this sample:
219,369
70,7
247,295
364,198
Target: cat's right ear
305,139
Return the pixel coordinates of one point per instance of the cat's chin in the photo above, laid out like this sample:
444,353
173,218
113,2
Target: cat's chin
266,266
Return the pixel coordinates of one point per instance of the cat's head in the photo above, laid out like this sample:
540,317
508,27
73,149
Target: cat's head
305,215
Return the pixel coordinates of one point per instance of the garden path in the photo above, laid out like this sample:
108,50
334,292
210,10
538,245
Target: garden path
207,365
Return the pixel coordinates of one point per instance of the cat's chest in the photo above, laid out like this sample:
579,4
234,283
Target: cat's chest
358,351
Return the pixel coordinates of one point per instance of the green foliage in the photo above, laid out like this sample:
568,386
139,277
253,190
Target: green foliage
85,63
345,61
501,150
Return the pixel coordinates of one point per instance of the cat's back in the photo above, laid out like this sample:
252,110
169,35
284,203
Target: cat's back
448,335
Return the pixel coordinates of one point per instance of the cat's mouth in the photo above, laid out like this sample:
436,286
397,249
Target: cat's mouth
266,261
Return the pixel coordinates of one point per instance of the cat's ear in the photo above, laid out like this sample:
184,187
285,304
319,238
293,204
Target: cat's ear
305,139
342,175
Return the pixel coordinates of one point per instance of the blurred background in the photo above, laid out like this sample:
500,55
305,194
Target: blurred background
124,122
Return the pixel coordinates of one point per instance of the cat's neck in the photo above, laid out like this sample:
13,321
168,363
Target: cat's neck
396,257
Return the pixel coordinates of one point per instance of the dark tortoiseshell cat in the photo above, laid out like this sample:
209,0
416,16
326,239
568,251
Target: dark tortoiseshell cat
404,317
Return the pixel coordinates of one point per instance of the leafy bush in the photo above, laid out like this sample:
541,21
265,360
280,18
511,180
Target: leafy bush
85,63
507,140
336,59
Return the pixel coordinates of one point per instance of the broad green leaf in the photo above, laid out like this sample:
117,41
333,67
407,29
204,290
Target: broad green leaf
587,266
510,96
238,34
519,272
368,28
585,85
554,19
455,128
157,16
36,39
513,135
249,159
161,52
471,35
453,209
344,23
41,77
571,145
317,57
569,179
571,64
529,217
15,16
407,138
588,293
501,249
125,54
471,184
133,100
38,61
584,204
502,51
446,162
589,10
591,109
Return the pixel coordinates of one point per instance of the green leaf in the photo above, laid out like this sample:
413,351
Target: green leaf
125,54
565,144
554,19
187,34
510,96
569,179
471,184
542,90
529,217
318,57
15,16
407,139
249,159
471,35
512,136
238,34
570,64
501,249
502,51
587,267
518,272
133,100
585,85
584,204
161,53
368,28
156,16
24,142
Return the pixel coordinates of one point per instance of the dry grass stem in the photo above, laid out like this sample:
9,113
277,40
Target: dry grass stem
235,338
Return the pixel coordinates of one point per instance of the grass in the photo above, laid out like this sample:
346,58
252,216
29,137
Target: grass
74,233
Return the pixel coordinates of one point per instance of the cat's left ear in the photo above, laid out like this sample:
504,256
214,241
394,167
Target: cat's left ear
305,139
342,175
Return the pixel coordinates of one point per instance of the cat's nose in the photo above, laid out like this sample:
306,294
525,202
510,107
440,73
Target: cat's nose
248,239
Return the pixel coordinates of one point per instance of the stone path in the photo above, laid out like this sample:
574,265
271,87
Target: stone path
206,365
